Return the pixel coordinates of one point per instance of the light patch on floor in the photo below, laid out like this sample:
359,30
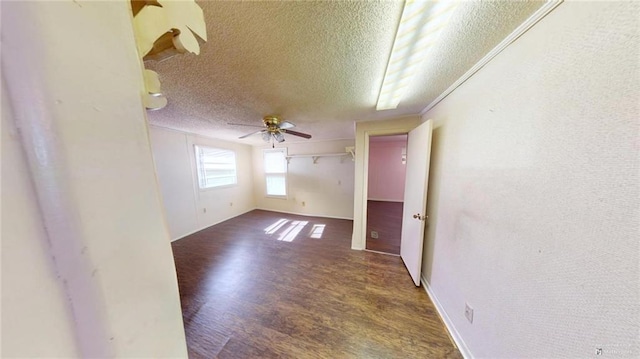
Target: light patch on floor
276,226
316,231
289,234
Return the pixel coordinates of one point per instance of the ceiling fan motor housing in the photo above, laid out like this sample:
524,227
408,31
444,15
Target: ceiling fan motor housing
271,122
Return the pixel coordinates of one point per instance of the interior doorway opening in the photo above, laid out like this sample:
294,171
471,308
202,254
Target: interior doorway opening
385,192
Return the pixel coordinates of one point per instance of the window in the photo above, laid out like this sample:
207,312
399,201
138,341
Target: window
275,172
216,167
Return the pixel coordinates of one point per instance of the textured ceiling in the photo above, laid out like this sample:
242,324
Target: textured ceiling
318,64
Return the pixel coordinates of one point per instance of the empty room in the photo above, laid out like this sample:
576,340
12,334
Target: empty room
320,179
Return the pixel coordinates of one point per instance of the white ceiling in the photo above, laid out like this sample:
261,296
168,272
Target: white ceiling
318,64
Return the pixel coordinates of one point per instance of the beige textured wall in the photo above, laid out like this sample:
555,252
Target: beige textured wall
326,187
189,209
534,191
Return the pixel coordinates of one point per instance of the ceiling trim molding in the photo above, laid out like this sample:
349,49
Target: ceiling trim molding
543,11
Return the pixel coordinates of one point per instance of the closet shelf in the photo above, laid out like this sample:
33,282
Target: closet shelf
316,156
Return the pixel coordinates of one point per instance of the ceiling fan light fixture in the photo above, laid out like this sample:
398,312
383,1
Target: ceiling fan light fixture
420,25
278,136
266,136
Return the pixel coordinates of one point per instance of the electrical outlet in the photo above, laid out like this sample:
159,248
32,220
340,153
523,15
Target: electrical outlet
374,234
468,312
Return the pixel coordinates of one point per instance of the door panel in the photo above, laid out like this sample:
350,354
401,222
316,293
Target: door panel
415,199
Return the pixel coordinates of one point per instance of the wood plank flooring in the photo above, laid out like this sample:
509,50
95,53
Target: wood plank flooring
273,285
386,219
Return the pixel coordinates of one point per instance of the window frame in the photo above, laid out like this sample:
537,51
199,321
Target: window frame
283,174
198,168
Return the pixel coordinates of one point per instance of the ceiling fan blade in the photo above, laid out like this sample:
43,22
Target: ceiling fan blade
296,133
242,124
286,125
252,133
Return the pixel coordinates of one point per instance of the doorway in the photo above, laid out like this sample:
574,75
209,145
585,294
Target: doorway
385,192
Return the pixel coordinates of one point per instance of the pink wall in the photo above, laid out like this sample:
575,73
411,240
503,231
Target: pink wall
386,171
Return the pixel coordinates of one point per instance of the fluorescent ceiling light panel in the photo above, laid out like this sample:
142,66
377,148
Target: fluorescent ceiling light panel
419,28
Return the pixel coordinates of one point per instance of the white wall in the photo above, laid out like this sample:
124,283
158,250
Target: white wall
534,191
189,209
75,84
326,187
35,312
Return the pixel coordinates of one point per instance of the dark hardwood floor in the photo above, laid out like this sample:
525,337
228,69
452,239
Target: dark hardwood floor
273,285
386,219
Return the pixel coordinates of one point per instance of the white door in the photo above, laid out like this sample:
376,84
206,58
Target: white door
415,199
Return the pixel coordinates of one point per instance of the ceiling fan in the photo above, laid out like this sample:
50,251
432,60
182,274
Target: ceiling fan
274,128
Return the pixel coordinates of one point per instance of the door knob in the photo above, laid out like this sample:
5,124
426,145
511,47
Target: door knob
418,216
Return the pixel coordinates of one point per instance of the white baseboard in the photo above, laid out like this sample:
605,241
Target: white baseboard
213,224
304,214
453,333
